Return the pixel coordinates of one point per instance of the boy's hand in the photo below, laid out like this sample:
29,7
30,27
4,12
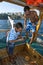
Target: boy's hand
19,37
30,41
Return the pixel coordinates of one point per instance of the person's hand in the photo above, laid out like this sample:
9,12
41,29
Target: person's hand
24,37
30,42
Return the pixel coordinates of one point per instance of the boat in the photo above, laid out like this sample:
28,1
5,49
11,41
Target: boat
26,55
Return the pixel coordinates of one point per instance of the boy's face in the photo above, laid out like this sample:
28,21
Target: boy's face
27,13
19,29
33,16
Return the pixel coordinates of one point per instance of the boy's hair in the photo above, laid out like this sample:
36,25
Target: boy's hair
19,25
26,8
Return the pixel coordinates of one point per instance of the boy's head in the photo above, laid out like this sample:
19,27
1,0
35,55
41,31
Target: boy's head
18,27
33,16
27,10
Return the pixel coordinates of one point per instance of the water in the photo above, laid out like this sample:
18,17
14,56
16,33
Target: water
5,24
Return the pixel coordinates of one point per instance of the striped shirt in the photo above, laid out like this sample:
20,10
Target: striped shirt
30,27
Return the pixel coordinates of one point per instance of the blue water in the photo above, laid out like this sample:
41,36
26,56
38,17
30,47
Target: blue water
5,24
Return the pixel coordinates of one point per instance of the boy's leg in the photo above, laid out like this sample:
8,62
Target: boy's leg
10,50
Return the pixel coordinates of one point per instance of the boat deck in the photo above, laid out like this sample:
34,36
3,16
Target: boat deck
24,59
25,55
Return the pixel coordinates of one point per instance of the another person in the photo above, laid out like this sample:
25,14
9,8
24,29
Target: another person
33,18
12,38
26,14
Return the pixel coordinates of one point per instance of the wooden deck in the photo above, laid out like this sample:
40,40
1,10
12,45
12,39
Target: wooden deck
24,56
25,59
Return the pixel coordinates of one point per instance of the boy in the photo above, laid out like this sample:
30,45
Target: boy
33,18
12,38
26,14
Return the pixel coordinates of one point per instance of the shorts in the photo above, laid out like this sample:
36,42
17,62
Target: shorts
10,48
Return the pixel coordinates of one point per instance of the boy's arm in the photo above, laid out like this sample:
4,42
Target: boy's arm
13,41
32,39
24,20
33,30
26,35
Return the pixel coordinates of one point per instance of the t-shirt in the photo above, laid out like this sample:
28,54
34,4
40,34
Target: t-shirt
30,26
12,35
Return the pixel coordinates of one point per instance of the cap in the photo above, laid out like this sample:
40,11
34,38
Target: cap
36,10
